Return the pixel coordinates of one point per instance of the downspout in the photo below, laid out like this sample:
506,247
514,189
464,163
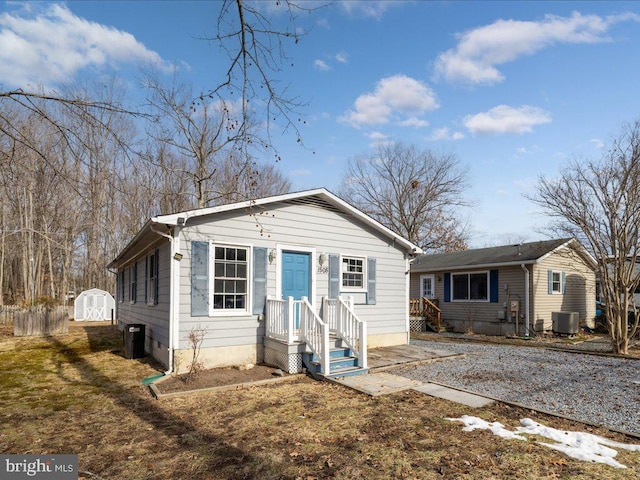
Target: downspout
172,306
526,299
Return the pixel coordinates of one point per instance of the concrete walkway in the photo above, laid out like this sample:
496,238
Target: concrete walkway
379,382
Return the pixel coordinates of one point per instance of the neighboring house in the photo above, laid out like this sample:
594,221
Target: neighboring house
490,290
264,281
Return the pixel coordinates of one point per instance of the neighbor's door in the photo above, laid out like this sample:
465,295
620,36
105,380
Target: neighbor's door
296,273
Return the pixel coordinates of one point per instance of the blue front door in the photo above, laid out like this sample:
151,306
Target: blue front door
296,281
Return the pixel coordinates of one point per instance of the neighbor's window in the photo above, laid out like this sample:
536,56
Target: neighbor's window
353,273
230,278
470,286
556,282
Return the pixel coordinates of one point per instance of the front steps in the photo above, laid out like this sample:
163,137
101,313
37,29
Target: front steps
341,362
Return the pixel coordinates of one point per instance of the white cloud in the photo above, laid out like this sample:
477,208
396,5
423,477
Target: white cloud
480,51
444,134
367,8
321,65
599,144
397,95
54,44
377,136
414,122
342,57
506,119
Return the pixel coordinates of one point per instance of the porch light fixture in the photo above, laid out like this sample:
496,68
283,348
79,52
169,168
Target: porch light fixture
272,256
322,259
177,256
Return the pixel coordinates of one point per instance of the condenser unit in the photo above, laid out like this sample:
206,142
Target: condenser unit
565,323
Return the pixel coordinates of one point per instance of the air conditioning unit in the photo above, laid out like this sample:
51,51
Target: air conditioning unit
565,323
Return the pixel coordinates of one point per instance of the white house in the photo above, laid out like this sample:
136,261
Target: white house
268,280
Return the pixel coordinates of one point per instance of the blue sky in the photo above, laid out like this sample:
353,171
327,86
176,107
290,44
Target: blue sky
513,89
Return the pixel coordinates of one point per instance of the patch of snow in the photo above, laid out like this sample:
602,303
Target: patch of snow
473,423
579,445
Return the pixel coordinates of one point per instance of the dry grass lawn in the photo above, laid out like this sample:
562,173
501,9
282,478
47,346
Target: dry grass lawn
73,394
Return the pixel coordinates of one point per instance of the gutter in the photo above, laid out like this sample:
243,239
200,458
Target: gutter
526,299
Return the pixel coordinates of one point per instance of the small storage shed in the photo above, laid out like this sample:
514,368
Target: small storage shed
94,305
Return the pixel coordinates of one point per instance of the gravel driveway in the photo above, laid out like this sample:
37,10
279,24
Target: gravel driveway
590,388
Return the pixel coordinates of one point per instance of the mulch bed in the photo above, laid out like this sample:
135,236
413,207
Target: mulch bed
217,377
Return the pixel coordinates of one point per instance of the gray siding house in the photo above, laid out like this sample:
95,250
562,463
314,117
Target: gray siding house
493,290
266,280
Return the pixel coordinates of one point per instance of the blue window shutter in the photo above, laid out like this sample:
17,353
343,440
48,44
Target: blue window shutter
259,279
447,287
334,276
550,281
157,269
371,281
199,279
494,287
563,285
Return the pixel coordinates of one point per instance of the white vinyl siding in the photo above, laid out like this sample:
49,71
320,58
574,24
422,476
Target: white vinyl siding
310,227
155,317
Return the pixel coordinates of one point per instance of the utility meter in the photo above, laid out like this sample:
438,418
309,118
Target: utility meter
514,307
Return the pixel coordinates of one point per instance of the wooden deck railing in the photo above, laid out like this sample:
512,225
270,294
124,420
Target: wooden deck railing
429,309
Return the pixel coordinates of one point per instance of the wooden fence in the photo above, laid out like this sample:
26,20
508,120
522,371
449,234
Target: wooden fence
40,322
7,312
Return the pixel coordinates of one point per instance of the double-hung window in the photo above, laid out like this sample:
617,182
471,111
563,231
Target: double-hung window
556,282
151,285
230,266
353,273
470,286
133,282
121,286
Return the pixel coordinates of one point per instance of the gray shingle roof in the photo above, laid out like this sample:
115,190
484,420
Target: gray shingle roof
506,254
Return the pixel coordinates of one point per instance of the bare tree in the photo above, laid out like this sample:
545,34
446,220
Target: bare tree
262,180
413,192
256,45
598,202
199,132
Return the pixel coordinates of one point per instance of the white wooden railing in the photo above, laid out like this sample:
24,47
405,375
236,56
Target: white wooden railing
351,330
330,311
315,333
337,315
281,319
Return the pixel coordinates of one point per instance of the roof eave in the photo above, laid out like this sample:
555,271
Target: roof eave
475,267
183,217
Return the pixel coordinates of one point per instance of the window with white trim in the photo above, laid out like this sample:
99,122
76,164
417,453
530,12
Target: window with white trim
353,273
152,279
133,283
470,286
556,282
231,275
121,286
427,288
